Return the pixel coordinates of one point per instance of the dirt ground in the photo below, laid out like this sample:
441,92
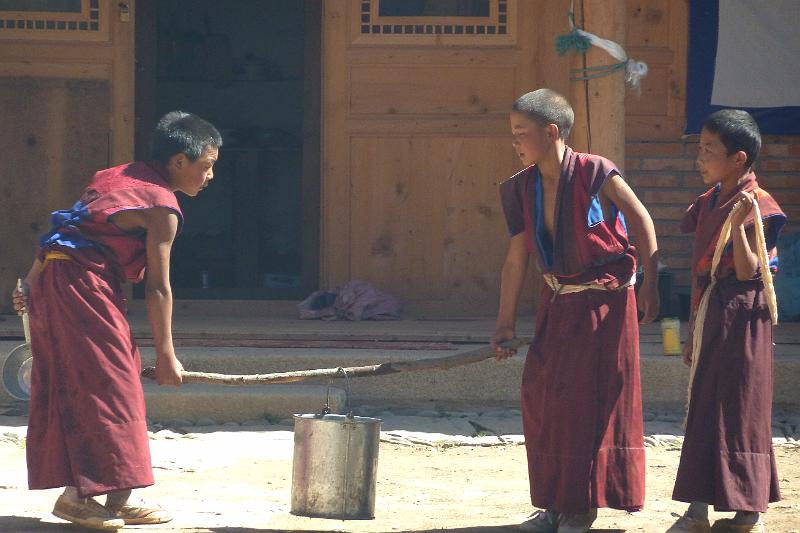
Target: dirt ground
239,480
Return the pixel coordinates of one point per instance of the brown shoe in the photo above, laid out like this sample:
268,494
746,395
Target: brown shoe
136,511
86,512
687,524
577,523
727,525
541,522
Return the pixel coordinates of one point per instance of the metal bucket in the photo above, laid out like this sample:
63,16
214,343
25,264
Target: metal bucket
335,463
15,372
15,368
335,466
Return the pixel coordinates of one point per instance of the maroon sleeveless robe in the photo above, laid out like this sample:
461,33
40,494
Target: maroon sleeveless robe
581,393
727,458
87,413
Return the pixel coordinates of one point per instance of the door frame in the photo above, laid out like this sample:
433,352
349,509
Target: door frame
145,65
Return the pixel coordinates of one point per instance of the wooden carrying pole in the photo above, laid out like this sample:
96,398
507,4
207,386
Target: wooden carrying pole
434,363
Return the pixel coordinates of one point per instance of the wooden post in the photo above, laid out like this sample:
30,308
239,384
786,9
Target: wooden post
123,79
599,103
122,82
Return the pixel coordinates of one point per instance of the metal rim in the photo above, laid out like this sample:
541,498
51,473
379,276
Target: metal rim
13,372
336,418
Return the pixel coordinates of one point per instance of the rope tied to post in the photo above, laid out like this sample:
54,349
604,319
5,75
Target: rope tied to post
580,41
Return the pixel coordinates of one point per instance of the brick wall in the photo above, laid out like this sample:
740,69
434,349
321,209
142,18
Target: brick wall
663,176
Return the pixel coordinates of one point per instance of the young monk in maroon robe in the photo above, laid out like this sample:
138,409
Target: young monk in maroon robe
581,396
87,429
727,458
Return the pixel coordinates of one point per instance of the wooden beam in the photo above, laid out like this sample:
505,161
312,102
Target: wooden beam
122,85
40,69
335,165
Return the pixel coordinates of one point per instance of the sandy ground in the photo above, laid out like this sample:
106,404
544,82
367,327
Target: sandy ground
432,476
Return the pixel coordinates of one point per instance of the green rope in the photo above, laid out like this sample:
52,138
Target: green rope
598,71
573,40
580,44
613,67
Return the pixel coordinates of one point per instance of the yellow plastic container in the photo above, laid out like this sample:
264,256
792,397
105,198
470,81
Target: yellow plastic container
671,336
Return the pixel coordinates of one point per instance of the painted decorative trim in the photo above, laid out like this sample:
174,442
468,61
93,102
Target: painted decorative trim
87,21
371,23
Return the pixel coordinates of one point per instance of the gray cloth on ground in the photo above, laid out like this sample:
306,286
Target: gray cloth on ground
356,300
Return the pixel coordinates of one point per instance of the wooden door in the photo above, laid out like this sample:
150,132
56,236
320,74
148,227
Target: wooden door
416,139
66,91
658,34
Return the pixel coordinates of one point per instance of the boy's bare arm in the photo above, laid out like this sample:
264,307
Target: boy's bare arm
616,191
745,259
512,278
162,226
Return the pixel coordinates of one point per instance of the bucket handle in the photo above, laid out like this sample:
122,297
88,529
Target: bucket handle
327,409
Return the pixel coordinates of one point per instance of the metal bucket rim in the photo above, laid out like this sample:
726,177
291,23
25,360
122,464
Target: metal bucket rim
9,371
335,418
334,516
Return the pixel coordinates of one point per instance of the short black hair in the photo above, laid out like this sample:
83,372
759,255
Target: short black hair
546,106
182,133
737,130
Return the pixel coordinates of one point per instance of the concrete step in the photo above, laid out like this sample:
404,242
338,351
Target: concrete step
488,383
249,405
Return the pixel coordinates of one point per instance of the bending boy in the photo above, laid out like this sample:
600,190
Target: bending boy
87,429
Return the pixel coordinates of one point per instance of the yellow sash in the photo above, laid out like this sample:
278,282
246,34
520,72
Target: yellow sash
55,256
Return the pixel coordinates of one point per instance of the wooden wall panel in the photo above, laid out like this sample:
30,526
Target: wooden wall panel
67,101
648,23
653,101
415,140
476,238
55,134
397,220
425,216
401,90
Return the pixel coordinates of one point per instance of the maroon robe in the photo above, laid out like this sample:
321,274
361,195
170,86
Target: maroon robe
727,458
87,413
581,393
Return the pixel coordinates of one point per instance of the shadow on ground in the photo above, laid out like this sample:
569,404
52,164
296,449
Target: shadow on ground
475,529
26,524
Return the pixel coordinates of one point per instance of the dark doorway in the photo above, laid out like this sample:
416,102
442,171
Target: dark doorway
251,67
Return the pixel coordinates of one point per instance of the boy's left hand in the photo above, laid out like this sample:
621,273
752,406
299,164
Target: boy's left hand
168,371
20,299
742,208
648,301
